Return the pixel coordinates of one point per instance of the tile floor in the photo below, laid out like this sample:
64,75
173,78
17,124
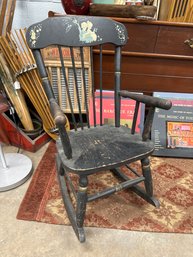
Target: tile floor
32,239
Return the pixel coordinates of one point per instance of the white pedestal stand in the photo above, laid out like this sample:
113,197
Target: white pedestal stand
15,169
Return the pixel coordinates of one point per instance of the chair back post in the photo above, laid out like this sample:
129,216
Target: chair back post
43,74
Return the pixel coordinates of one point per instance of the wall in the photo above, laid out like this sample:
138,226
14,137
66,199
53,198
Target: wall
28,12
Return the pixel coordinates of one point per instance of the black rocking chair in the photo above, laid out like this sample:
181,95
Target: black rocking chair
87,149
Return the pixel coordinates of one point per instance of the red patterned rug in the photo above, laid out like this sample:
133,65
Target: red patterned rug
173,186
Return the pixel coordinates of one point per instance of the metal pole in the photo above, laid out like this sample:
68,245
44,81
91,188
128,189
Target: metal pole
2,157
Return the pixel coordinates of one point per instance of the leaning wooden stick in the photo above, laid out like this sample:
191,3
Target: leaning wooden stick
7,8
15,63
26,76
9,16
2,14
32,73
16,95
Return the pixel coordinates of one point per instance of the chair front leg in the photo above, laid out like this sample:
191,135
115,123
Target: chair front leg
73,215
81,201
146,170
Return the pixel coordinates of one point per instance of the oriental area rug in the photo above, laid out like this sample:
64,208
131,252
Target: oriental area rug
173,186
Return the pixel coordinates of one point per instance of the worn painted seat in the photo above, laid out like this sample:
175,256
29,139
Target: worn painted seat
94,152
89,149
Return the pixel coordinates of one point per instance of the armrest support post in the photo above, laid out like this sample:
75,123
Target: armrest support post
60,121
148,124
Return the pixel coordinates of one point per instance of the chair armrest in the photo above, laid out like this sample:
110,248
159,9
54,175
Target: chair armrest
58,115
149,100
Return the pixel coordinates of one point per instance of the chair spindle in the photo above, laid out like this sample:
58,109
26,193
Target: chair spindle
67,87
92,81
101,86
84,86
117,84
76,86
135,117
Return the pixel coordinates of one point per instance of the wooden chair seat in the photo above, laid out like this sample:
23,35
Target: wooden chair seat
103,146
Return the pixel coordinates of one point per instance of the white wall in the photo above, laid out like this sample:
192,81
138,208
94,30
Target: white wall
28,12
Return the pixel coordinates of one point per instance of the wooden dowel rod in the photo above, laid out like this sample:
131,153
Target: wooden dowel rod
27,86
